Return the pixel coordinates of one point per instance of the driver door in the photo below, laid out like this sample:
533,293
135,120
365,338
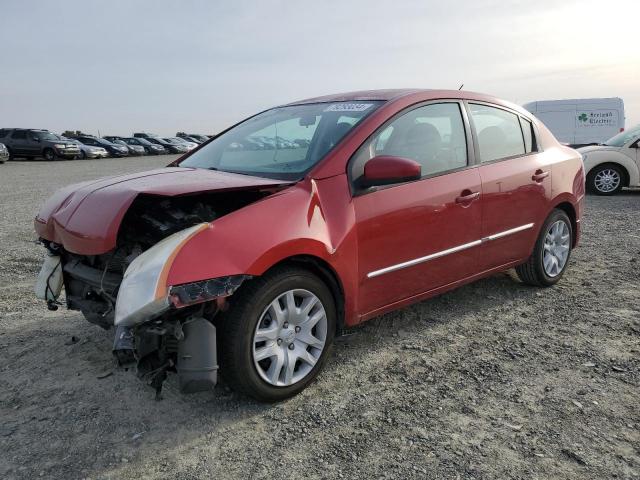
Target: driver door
417,236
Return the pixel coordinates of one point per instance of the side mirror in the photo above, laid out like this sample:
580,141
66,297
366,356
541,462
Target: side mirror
385,170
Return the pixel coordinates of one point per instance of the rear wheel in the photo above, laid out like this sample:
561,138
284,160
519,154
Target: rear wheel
605,179
277,335
49,154
551,253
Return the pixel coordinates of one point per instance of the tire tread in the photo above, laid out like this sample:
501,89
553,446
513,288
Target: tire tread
531,271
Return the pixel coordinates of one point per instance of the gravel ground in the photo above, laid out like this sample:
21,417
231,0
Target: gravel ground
495,380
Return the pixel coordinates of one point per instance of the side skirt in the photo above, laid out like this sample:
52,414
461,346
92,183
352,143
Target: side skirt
436,291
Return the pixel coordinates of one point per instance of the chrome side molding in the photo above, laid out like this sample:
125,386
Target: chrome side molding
459,248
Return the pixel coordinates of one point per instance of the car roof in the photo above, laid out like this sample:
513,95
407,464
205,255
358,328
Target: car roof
27,129
360,95
412,94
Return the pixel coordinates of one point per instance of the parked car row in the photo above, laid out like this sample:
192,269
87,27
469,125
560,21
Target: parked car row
30,143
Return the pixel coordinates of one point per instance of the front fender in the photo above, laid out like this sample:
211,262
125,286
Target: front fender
312,218
593,159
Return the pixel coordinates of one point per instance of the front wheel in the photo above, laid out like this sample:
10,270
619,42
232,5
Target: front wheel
49,154
605,179
551,253
277,334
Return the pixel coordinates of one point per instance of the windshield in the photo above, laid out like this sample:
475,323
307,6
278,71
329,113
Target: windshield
47,136
282,143
103,141
623,138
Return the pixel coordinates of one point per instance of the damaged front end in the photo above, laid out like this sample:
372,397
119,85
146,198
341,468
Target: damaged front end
158,327
166,328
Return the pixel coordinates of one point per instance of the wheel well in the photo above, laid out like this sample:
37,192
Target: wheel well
567,208
327,274
625,173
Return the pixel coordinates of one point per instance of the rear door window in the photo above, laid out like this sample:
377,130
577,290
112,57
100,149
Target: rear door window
498,132
19,134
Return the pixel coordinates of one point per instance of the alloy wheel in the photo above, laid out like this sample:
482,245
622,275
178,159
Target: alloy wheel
556,246
607,180
290,337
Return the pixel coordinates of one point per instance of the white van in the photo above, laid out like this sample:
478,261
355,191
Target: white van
580,122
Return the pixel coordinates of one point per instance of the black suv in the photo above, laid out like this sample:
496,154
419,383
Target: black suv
30,143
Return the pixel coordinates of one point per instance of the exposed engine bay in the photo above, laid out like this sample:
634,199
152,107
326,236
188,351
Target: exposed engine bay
92,284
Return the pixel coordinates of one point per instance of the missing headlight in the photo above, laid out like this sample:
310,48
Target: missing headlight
205,290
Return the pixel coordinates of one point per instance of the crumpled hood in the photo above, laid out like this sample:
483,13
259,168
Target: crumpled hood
85,217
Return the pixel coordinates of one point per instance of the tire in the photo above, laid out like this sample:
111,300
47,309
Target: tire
49,155
539,270
11,156
250,308
606,179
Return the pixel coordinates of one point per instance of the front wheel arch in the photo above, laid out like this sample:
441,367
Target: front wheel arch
326,273
569,209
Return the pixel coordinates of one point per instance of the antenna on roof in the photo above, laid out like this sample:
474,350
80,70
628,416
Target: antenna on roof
460,87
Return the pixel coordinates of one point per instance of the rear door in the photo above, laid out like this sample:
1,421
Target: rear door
417,236
18,142
516,183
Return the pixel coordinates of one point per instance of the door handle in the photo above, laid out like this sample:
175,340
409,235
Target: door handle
539,176
467,196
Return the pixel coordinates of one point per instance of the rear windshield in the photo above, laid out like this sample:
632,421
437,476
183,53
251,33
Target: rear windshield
283,143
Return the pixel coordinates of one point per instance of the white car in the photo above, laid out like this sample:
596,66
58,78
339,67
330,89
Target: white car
614,164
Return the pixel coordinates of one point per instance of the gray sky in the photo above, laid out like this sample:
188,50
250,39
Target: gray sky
161,66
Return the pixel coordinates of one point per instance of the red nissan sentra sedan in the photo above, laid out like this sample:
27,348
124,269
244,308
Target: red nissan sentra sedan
254,250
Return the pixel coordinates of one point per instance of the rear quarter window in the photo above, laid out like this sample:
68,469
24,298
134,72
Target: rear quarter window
530,144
